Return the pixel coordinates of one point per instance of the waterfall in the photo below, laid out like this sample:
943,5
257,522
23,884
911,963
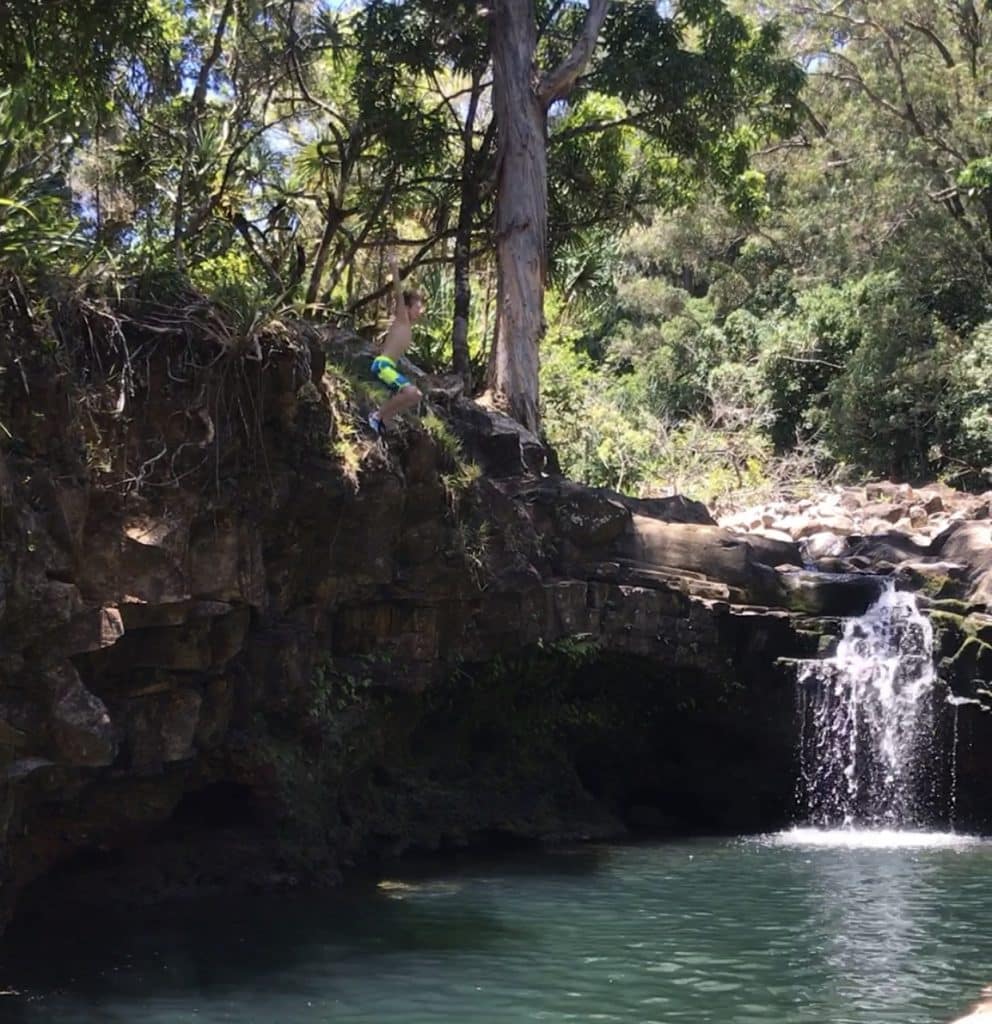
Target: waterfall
868,749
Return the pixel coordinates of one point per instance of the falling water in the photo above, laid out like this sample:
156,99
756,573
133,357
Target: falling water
868,721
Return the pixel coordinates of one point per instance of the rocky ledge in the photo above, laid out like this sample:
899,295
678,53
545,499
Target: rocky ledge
241,641
932,540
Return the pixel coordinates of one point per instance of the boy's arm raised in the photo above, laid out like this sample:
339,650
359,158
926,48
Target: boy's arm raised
400,313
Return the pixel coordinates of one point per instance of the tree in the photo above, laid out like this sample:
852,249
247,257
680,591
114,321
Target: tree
908,80
284,144
62,53
56,61
697,84
241,147
521,108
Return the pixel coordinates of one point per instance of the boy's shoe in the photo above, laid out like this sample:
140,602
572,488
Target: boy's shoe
375,422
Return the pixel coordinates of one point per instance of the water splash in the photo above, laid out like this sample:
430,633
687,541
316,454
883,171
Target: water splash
870,839
868,721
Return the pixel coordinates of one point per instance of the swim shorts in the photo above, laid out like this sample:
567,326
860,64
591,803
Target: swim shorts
385,370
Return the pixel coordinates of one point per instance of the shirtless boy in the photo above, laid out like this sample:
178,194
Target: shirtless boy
409,308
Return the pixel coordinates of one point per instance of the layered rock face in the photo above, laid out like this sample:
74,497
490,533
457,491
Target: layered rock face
241,640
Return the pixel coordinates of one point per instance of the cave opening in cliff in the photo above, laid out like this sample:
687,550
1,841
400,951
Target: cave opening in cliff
216,836
683,752
218,805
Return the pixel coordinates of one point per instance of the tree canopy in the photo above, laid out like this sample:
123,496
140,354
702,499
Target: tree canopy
757,232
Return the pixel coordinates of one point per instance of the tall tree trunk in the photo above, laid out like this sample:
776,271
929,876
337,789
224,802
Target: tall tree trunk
520,102
521,209
332,222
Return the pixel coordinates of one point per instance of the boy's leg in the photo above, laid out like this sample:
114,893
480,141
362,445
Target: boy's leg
405,395
375,422
406,398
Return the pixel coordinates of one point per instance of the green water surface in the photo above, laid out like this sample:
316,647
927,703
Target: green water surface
745,930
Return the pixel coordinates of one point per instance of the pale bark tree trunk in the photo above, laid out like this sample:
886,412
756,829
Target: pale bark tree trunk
521,210
520,102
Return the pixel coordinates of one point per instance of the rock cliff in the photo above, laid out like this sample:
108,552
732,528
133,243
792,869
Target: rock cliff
240,640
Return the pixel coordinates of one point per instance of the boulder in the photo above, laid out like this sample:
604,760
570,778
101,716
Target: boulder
842,525
215,713
931,502
824,545
918,516
199,644
828,594
770,534
673,509
743,563
885,510
225,562
886,490
141,557
791,524
890,546
775,550
969,544
590,518
937,579
90,630
499,444
81,728
160,727
965,542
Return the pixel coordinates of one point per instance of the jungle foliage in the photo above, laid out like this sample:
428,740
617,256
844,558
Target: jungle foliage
769,226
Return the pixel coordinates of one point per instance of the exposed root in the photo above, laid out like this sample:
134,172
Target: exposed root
158,395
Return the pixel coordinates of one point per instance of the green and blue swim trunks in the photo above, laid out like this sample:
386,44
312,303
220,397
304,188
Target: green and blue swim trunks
384,369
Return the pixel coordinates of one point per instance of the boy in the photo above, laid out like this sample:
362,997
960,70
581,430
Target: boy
409,308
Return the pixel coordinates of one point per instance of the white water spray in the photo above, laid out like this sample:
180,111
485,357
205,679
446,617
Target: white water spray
868,721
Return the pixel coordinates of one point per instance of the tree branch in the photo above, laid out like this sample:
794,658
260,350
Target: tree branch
558,83
891,45
244,230
935,39
315,100
551,15
595,126
203,79
198,220
855,78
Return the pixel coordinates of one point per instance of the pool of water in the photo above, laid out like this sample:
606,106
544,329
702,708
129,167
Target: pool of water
790,929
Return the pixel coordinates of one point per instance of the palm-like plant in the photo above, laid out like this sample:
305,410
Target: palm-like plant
37,225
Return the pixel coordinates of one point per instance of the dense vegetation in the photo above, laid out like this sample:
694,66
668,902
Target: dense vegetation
769,241
846,321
